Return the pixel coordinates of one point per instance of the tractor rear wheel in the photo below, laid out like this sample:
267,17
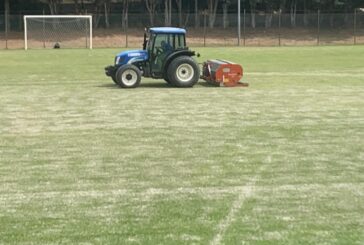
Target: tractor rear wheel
128,76
183,72
165,77
167,81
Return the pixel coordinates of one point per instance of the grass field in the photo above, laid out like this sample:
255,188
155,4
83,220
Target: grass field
279,162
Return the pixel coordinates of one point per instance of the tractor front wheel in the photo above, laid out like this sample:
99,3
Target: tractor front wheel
183,72
128,76
113,77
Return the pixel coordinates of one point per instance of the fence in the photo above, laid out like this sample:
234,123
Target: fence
274,29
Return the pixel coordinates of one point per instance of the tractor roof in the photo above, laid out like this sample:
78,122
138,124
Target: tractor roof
167,30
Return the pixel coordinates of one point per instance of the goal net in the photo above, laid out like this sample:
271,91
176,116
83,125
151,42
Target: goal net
57,31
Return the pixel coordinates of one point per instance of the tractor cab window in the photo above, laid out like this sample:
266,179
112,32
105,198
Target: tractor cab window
163,44
179,41
150,42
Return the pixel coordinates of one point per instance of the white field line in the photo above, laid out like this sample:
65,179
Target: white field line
201,191
248,191
243,194
308,74
230,218
242,191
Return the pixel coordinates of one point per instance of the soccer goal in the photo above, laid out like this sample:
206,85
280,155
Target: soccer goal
57,31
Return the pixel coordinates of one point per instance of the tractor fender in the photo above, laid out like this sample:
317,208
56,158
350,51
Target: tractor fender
174,55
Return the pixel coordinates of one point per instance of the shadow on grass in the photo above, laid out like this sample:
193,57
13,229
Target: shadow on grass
207,85
108,85
142,85
155,85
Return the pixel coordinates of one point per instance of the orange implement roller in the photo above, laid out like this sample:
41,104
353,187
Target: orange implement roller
222,73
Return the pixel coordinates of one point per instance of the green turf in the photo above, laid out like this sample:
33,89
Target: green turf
279,162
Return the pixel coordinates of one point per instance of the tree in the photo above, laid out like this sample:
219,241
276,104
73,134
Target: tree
197,17
54,6
107,12
187,15
211,9
268,13
225,6
79,9
305,16
96,19
124,15
7,11
349,6
330,6
102,6
282,5
253,5
167,12
179,7
151,7
293,12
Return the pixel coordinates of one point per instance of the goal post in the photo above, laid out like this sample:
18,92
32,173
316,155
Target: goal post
57,31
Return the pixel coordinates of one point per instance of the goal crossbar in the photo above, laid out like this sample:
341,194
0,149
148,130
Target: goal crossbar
26,17
59,16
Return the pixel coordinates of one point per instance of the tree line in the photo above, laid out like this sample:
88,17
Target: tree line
183,9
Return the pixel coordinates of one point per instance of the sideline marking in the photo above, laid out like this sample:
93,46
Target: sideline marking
309,74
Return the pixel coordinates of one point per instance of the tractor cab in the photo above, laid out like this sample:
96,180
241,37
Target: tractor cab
162,42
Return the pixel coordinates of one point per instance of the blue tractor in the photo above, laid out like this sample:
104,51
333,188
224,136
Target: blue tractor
164,56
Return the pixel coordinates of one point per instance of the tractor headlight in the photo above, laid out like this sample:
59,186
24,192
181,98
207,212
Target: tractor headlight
117,59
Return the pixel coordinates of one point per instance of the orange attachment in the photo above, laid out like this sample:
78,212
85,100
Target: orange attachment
222,73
